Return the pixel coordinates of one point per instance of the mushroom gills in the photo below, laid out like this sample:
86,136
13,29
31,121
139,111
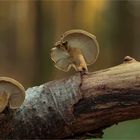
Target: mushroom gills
84,41
15,101
15,91
4,97
61,58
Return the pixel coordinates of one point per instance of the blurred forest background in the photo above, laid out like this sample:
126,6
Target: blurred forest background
29,29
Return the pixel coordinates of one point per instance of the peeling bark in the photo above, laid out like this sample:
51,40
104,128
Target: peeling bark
77,105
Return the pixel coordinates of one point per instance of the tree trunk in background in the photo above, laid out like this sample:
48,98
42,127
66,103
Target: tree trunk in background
8,50
26,39
122,29
135,11
39,55
47,30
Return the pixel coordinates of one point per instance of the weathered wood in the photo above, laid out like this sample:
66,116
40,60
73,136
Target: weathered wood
77,105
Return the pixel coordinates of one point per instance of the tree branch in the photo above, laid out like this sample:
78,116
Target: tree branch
77,105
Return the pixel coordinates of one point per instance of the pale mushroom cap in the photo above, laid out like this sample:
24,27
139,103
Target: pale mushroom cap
61,58
84,41
15,91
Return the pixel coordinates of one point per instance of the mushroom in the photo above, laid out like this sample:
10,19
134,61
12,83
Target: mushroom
12,93
76,48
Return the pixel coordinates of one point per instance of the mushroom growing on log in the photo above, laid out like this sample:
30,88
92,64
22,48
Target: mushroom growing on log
76,48
12,93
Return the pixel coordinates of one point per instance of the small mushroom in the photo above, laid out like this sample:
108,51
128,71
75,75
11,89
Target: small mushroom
76,48
12,93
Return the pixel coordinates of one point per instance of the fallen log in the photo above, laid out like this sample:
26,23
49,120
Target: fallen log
77,105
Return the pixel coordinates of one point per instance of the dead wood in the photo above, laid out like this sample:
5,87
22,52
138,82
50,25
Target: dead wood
77,105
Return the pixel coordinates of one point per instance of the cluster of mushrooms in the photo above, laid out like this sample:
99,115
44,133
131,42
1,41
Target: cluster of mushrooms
76,48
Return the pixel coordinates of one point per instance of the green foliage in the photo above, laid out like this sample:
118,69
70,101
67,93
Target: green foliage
129,130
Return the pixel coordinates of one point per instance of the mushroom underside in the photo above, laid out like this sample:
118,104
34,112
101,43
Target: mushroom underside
61,58
12,93
4,97
88,46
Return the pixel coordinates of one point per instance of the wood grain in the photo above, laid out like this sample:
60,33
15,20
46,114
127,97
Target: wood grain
77,105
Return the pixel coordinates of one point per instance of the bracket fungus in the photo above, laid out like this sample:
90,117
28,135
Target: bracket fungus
76,48
12,93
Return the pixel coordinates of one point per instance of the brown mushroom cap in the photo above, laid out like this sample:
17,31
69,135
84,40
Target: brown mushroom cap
84,41
13,90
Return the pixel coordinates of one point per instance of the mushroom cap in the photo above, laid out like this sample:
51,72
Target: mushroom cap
61,58
14,90
85,41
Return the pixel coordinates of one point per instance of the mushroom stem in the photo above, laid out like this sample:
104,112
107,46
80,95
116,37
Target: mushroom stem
78,60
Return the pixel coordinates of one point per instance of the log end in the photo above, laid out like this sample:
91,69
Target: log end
128,59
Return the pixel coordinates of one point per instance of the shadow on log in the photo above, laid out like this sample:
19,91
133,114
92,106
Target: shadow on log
77,105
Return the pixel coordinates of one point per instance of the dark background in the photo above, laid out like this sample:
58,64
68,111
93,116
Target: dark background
29,28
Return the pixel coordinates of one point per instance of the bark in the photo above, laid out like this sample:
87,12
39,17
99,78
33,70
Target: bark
77,105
